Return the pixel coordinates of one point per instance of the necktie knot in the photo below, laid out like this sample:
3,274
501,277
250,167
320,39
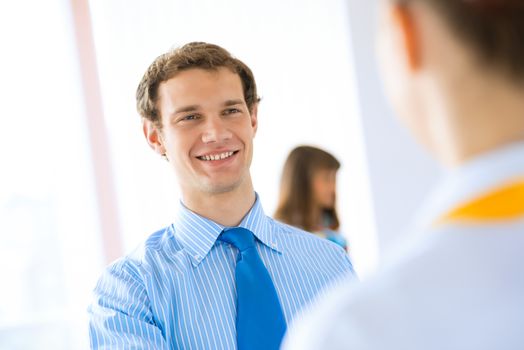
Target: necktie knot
239,237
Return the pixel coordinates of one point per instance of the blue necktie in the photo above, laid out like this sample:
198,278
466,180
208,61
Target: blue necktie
260,321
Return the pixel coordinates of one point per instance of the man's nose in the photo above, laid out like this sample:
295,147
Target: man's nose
215,130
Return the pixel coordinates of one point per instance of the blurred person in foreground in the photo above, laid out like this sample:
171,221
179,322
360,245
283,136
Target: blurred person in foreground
455,72
308,191
223,275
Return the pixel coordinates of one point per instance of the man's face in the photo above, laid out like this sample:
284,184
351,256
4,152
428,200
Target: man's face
207,131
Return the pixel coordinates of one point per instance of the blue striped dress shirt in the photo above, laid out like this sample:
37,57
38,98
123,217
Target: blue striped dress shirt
177,290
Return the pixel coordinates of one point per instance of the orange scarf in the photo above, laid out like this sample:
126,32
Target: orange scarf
502,204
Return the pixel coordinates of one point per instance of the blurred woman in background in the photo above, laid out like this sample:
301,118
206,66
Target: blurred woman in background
308,193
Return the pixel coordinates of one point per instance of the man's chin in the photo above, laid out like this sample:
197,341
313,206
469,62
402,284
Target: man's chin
221,188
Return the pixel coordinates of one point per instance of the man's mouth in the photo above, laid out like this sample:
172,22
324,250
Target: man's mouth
217,156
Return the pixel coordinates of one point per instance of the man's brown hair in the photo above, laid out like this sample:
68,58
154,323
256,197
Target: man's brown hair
494,29
192,55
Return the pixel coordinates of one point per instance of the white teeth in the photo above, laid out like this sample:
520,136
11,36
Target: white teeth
223,155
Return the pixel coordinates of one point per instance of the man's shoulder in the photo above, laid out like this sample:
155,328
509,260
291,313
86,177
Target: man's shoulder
286,231
282,228
356,310
157,242
293,236
157,249
441,282
303,243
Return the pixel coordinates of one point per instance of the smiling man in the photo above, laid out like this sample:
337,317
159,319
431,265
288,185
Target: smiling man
223,275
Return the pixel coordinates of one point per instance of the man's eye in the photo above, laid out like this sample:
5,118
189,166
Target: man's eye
189,117
231,111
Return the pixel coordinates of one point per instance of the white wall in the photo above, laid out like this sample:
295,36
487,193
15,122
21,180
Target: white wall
49,229
400,171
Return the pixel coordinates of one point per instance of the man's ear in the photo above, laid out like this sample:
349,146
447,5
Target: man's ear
153,136
406,35
254,117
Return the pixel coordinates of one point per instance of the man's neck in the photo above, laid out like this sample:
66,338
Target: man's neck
481,117
227,209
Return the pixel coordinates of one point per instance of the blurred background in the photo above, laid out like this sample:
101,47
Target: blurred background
79,186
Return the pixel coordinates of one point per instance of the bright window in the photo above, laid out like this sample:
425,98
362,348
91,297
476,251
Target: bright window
49,235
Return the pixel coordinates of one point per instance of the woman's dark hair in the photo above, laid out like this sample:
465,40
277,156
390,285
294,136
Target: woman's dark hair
296,205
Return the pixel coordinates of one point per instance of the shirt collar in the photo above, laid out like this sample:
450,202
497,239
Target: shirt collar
481,174
198,234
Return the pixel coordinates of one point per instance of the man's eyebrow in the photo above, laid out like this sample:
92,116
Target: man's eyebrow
233,102
184,109
193,108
